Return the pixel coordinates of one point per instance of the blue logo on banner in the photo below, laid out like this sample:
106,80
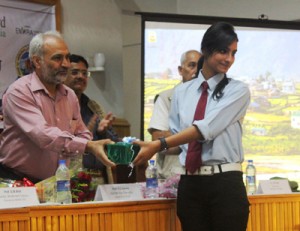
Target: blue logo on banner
22,61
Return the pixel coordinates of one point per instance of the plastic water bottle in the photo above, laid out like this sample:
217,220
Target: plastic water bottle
250,178
63,189
151,181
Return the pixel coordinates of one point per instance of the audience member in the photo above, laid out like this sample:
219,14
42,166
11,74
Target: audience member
211,194
42,121
91,112
1,118
167,161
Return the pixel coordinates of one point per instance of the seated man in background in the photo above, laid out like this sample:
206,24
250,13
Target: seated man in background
1,117
42,121
91,112
167,161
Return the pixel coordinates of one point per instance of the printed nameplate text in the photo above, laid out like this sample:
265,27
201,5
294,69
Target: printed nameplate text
110,192
274,187
15,197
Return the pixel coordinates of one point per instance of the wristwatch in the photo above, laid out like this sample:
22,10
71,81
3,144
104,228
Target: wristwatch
163,144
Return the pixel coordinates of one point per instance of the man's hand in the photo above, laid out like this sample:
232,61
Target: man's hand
97,148
105,122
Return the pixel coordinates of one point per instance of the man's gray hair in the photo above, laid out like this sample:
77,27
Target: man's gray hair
184,55
37,42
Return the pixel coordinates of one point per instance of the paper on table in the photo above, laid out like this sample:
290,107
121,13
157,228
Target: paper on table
16,197
110,192
274,187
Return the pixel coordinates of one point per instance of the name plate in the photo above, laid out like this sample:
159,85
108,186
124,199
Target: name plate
16,197
108,192
274,187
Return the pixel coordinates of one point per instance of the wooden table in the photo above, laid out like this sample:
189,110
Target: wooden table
148,215
267,213
274,212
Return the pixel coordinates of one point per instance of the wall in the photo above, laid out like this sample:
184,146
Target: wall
274,9
111,27
132,71
92,26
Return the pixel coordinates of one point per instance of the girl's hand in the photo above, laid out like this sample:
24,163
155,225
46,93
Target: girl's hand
148,149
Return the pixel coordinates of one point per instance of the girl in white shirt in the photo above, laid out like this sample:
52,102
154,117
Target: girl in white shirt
213,198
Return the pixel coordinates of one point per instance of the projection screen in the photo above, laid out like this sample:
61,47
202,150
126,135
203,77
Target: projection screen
267,60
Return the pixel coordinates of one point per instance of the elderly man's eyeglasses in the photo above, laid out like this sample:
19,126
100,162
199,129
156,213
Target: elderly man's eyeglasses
75,72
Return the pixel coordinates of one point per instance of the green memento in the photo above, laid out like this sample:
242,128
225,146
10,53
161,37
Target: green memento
122,153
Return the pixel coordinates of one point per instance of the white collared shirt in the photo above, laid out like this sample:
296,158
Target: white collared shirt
221,126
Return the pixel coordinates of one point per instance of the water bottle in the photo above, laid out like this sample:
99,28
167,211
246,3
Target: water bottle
63,189
151,181
250,178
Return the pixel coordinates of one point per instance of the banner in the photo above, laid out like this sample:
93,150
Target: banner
19,22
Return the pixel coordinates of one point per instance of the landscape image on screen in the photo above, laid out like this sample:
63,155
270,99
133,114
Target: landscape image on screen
267,60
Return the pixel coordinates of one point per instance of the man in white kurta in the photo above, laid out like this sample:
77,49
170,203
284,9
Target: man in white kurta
167,161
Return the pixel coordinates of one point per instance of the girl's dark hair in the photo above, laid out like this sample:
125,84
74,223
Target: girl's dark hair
218,37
